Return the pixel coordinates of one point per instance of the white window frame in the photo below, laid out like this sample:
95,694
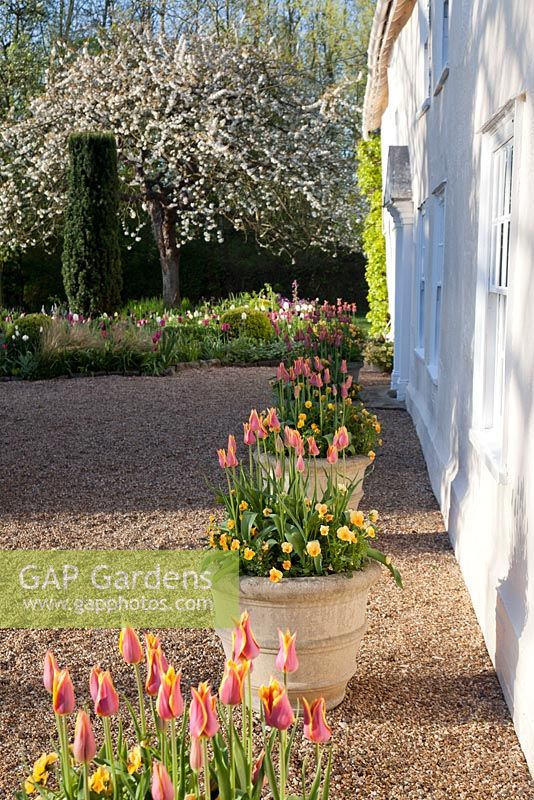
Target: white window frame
427,62
496,237
438,262
420,287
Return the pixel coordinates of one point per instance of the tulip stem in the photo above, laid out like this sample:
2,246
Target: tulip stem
174,759
250,731
207,790
86,795
231,749
110,755
64,749
141,695
282,765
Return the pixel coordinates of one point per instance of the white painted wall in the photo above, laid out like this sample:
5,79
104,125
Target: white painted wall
490,514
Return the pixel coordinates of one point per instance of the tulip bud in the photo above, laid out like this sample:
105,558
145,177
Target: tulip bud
301,466
62,693
84,746
170,703
286,660
107,699
332,454
156,664
244,643
130,646
49,670
161,787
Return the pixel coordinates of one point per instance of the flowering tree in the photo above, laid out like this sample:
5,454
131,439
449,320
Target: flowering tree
207,132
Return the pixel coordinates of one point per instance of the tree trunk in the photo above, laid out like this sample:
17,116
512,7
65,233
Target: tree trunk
164,227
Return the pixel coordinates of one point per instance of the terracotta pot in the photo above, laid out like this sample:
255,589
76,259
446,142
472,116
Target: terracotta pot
343,472
329,615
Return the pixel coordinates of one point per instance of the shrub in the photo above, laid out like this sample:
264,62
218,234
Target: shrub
379,353
31,325
91,255
248,322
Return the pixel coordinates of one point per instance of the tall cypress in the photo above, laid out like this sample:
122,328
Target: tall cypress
92,273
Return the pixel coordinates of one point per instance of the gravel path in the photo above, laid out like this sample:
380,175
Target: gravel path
120,462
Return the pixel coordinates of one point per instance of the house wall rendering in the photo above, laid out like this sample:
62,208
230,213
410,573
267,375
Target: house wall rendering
461,256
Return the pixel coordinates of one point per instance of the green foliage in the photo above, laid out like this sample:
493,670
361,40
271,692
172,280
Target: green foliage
248,322
31,325
374,246
91,256
379,353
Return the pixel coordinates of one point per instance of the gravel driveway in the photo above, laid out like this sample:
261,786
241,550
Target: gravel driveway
122,462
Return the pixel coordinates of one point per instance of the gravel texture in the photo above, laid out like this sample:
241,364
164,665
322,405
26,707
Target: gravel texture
120,462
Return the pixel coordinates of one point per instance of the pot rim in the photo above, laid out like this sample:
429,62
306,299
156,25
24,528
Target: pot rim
321,461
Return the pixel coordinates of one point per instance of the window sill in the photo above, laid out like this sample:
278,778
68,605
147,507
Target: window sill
424,108
489,451
441,80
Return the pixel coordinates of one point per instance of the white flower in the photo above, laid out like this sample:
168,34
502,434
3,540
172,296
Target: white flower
25,338
76,317
285,305
244,315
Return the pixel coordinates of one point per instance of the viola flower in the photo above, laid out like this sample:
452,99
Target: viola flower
371,455
324,530
345,534
370,532
276,706
286,565
135,759
203,721
248,554
275,576
286,660
313,548
84,746
287,547
316,728
322,509
373,515
130,646
357,518
63,701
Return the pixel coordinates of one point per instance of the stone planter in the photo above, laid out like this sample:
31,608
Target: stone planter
319,469
329,615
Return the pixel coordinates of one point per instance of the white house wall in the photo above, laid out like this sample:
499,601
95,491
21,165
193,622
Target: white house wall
490,514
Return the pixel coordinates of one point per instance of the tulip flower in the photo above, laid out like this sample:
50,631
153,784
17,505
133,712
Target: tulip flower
49,670
195,755
301,466
221,454
244,644
161,787
278,470
84,746
276,706
63,700
96,671
344,391
170,703
326,376
231,688
203,720
130,646
107,699
282,373
316,728
313,450
257,770
271,420
254,421
343,368
341,438
249,436
156,664
231,458
332,454
286,660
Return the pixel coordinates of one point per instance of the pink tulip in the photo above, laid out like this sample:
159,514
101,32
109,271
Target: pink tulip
63,701
248,435
282,374
254,421
161,787
107,699
84,745
49,670
278,470
94,675
326,376
231,458
195,756
170,703
317,363
276,706
271,420
343,368
301,466
231,688
344,391
130,646
244,644
332,454
222,458
286,660
341,438
316,728
313,450
156,664
202,714
348,381
256,772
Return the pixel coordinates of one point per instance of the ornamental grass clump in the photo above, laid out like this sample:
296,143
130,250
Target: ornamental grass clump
275,515
179,750
317,404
